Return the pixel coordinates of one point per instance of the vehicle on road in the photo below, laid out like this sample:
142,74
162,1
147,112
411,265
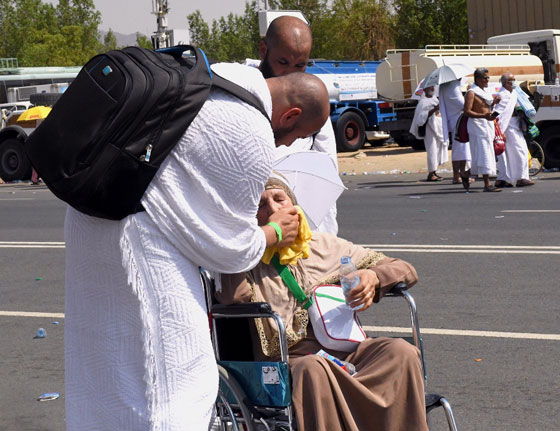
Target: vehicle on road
23,87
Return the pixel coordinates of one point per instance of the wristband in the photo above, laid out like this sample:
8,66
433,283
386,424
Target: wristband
278,230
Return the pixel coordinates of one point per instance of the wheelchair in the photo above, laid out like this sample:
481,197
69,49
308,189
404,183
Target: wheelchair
256,396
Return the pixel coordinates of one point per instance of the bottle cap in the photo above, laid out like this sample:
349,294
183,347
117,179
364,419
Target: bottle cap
345,259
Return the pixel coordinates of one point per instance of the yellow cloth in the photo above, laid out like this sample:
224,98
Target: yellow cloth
299,249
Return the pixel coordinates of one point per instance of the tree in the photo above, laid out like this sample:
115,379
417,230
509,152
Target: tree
428,22
363,31
232,38
109,41
143,41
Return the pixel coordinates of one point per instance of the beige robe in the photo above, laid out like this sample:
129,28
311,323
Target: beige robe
387,393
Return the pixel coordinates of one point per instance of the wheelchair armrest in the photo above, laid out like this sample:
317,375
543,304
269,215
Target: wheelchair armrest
398,289
252,308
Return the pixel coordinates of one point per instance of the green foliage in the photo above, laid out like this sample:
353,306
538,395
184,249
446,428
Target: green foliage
231,38
143,41
109,41
40,34
429,22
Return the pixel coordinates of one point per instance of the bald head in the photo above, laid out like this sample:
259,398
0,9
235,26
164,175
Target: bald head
286,47
300,106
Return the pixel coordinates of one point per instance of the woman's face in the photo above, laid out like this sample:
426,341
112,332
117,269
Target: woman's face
271,201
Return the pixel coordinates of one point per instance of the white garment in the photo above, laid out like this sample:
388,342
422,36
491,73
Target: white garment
451,105
481,135
325,142
434,140
138,350
513,163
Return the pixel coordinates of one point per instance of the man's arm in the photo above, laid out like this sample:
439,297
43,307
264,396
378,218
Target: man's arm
468,109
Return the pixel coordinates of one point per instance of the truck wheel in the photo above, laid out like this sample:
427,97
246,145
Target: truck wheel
14,164
44,99
350,132
550,141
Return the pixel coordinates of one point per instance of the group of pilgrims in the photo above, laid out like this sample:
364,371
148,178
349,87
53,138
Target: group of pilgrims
488,113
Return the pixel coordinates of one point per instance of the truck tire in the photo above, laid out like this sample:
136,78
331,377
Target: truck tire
44,99
14,164
350,132
550,141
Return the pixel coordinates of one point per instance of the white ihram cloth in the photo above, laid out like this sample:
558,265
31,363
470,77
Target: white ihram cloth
481,135
325,142
451,105
434,141
138,350
513,163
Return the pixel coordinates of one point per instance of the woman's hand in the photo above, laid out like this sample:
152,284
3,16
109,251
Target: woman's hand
364,292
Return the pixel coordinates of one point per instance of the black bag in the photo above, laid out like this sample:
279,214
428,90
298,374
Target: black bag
107,135
422,129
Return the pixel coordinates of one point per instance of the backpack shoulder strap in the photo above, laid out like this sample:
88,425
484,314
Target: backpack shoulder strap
239,92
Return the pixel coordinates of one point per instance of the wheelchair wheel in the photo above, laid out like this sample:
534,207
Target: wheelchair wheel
536,158
232,413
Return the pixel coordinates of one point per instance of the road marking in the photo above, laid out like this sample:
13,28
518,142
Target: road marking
530,211
16,199
390,329
31,314
410,248
465,333
31,244
482,249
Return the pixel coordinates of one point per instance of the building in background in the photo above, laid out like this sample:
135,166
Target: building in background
487,19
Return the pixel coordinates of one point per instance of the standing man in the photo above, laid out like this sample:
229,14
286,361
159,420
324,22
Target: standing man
513,163
428,119
451,104
285,49
138,352
478,107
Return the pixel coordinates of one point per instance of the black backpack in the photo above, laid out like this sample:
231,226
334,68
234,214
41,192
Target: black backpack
107,135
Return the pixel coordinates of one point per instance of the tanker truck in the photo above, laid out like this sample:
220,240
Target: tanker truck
400,73
355,110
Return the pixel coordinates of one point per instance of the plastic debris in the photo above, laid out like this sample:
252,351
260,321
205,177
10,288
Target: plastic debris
478,360
360,155
344,173
444,239
414,197
517,191
41,333
393,233
49,396
56,322
38,278
422,211
498,216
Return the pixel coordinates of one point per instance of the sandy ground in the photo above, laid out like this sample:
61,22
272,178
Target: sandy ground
389,158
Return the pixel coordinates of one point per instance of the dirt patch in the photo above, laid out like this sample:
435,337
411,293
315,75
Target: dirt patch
389,158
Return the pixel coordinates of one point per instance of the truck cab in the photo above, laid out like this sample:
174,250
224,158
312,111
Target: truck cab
545,44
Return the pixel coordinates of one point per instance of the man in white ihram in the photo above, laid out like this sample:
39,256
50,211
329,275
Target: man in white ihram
436,143
138,350
451,104
286,49
513,163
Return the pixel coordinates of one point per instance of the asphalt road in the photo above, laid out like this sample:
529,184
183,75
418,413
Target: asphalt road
487,296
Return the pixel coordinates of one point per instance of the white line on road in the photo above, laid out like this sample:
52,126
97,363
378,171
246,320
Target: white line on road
530,211
391,329
16,199
466,333
31,314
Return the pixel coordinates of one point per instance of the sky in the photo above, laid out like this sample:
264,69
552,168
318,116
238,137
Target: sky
131,16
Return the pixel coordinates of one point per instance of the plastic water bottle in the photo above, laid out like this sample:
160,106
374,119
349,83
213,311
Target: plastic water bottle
349,277
346,366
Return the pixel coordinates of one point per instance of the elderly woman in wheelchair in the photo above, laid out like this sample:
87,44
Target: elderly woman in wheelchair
387,392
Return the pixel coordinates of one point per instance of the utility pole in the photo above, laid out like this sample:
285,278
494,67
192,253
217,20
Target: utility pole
160,39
